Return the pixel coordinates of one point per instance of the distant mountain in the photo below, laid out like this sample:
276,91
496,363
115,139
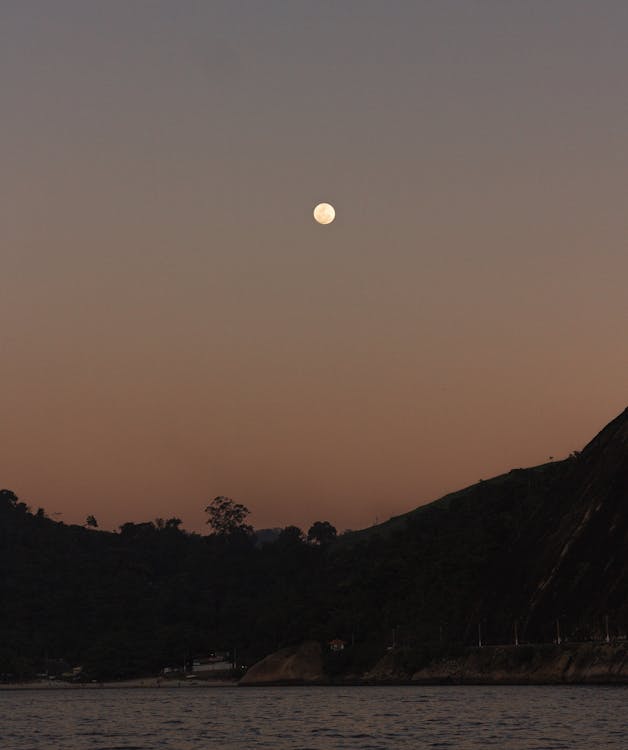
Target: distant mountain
544,547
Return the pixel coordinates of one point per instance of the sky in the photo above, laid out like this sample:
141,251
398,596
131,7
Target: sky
175,326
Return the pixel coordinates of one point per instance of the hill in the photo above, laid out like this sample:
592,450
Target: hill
543,547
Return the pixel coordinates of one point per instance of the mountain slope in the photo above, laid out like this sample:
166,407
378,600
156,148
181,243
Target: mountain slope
584,565
531,546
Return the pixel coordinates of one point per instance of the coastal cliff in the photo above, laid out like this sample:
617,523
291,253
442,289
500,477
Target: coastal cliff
541,664
296,665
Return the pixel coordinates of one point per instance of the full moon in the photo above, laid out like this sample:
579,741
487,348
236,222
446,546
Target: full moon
324,213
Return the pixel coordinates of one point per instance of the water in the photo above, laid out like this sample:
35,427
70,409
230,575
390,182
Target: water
323,718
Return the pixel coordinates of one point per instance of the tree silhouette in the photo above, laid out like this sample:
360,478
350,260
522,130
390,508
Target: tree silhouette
8,498
291,535
321,532
226,517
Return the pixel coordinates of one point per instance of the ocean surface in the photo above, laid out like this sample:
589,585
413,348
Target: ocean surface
321,718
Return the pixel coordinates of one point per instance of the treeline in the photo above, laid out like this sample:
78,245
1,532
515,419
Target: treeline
129,603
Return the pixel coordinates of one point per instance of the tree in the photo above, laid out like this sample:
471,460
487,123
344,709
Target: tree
91,521
321,532
10,501
226,517
291,535
136,530
8,498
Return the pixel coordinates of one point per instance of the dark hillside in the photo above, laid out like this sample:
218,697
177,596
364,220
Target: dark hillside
434,574
582,573
534,546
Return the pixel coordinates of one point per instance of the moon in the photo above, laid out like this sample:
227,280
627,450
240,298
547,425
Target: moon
324,213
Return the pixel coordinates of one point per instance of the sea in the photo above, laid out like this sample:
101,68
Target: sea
316,718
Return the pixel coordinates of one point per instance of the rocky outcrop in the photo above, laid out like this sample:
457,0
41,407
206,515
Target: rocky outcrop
571,663
387,669
295,665
582,663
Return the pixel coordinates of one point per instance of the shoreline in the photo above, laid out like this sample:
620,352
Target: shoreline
41,686
560,664
152,683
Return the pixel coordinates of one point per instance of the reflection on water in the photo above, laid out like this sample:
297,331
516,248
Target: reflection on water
323,718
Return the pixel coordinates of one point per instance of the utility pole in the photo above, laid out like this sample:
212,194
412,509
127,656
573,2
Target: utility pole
558,638
479,635
516,633
608,637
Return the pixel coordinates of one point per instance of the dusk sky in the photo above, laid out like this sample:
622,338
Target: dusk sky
175,326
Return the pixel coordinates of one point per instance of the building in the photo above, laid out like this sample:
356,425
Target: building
337,644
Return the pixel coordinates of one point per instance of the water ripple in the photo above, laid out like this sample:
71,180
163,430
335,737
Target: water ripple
360,718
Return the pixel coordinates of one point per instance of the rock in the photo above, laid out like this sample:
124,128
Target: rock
295,665
571,663
386,670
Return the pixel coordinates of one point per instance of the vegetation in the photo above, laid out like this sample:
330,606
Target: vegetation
536,546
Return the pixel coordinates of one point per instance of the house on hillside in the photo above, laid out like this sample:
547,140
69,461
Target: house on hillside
337,644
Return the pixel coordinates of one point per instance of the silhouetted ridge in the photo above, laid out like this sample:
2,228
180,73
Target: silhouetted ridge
611,443
586,562
544,547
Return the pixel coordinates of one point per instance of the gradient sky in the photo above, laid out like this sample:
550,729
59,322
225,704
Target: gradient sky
175,326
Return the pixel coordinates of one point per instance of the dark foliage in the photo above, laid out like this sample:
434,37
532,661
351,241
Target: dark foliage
321,532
